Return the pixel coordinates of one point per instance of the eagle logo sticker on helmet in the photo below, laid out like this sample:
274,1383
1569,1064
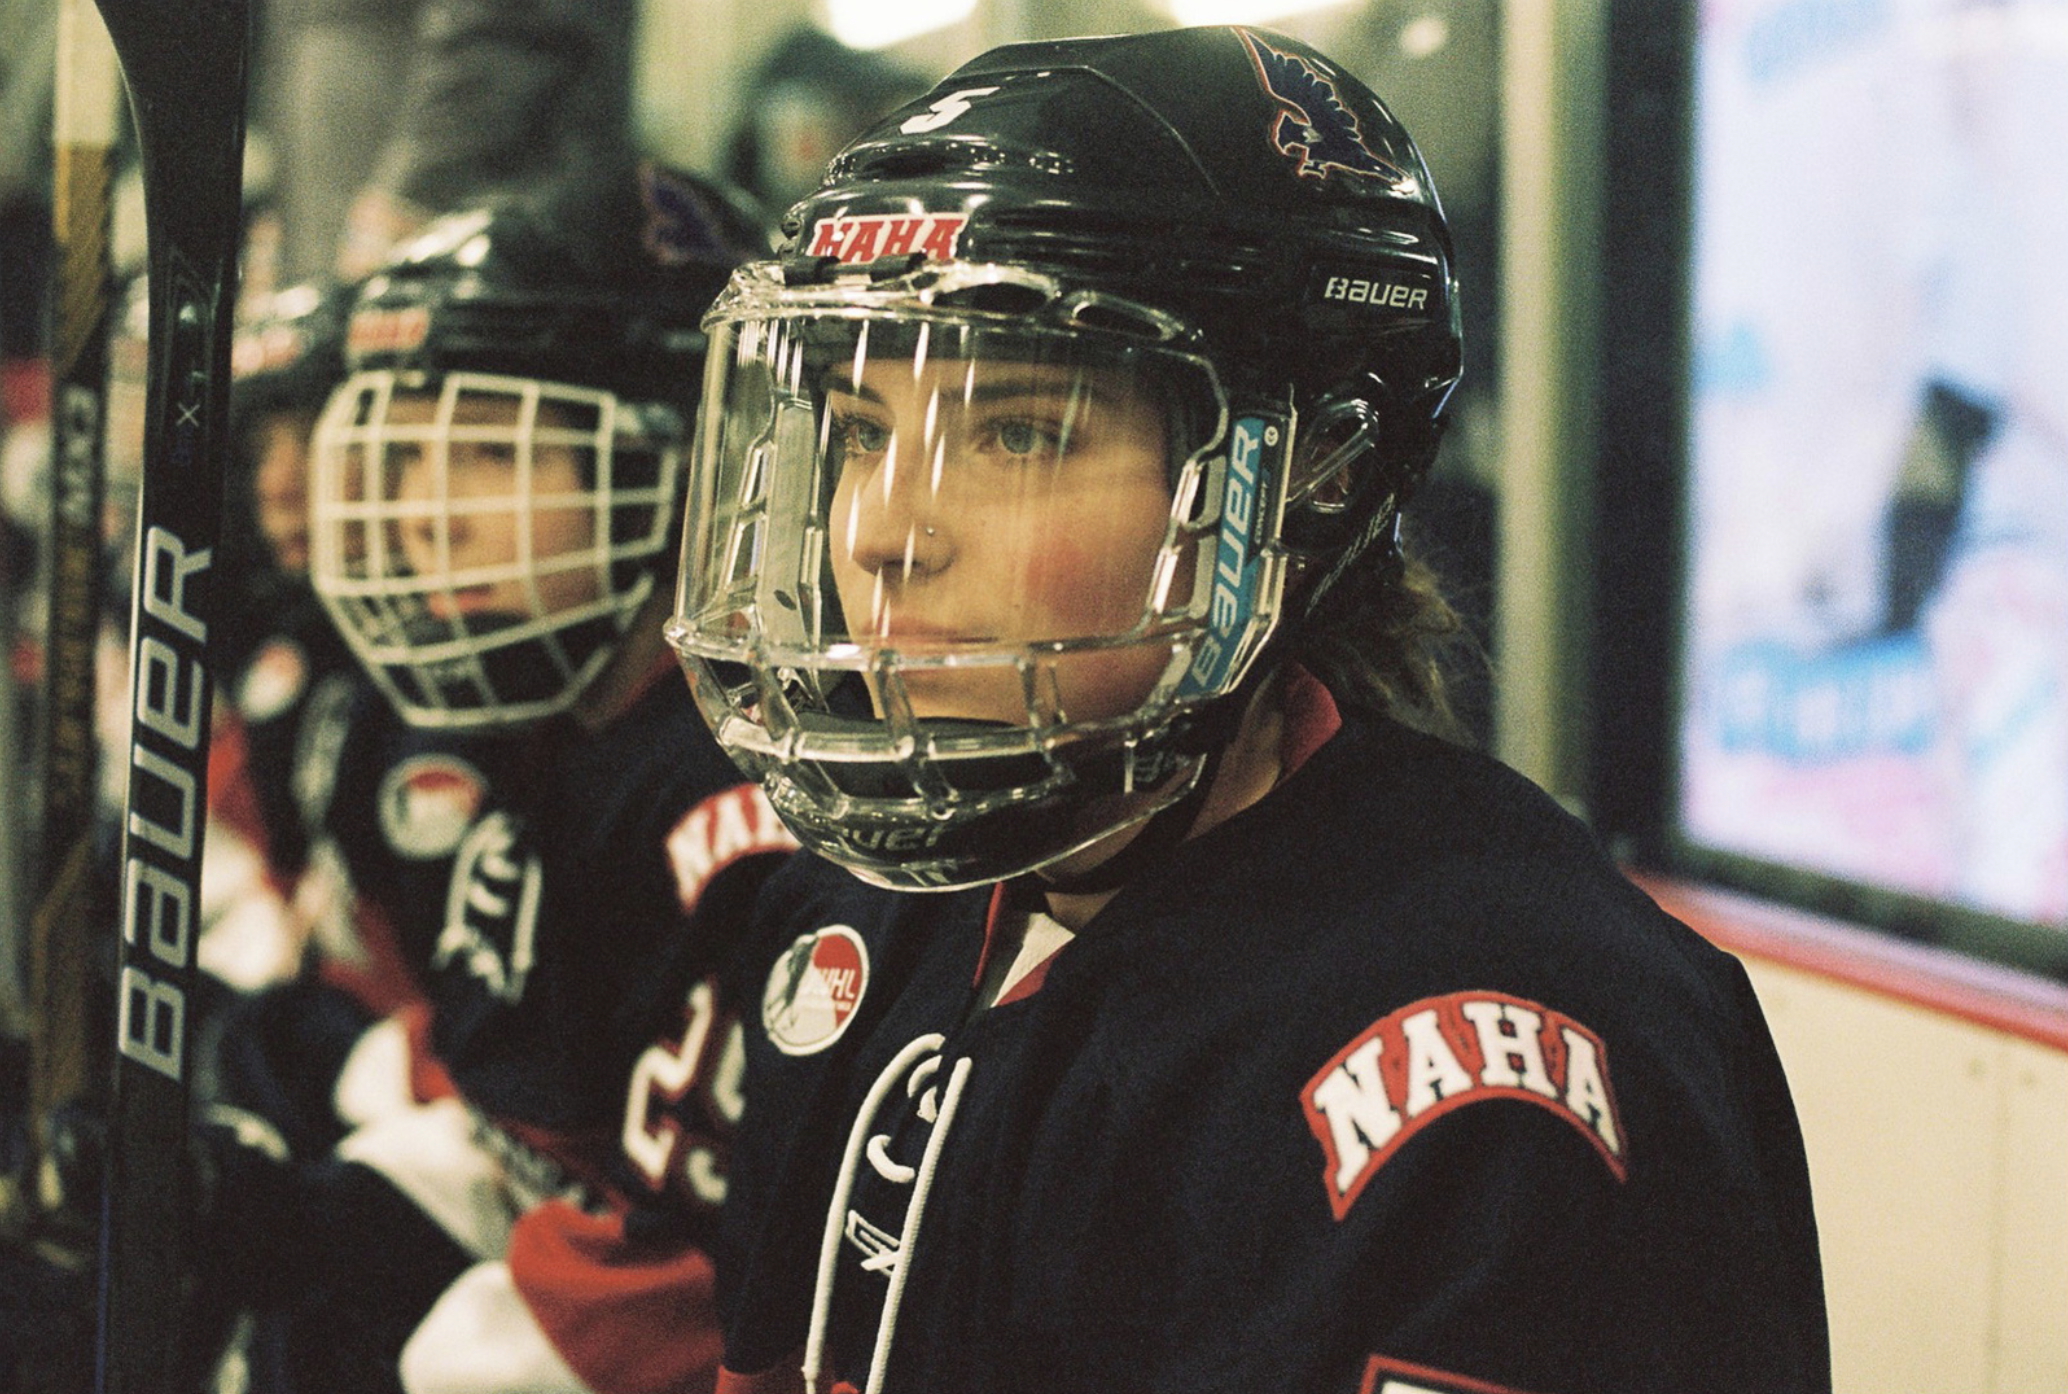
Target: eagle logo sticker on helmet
678,226
867,236
428,802
1312,126
814,990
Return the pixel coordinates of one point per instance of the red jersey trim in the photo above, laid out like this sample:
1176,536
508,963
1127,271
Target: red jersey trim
992,913
1029,983
231,796
627,1318
1311,718
378,976
428,1081
25,390
1404,1378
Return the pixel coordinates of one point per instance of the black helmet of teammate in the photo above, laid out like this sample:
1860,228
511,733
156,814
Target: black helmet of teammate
522,374
1219,221
288,350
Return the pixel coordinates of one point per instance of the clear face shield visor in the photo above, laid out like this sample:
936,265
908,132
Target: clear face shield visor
483,541
936,561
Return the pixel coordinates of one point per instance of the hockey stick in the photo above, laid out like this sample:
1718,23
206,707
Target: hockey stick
65,1061
184,65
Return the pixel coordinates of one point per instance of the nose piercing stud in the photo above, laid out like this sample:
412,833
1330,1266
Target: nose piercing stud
929,530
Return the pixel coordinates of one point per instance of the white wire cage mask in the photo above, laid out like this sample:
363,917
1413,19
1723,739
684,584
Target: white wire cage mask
483,541
948,575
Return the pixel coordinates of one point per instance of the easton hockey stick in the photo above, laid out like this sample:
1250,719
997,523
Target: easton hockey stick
184,64
66,1062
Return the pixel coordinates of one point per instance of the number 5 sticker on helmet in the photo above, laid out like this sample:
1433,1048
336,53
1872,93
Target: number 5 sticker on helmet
944,110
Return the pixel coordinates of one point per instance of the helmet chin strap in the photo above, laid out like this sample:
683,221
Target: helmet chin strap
1167,827
1163,830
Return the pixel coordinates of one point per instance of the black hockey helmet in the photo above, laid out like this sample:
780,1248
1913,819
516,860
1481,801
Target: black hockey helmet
288,350
1218,225
523,370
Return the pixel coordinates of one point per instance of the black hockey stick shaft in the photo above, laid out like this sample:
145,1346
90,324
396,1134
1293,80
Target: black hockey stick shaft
183,62
66,1061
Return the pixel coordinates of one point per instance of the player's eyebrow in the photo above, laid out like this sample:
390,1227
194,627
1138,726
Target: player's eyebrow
845,386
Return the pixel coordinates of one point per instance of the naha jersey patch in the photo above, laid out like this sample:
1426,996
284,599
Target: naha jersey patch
814,990
731,824
1384,1376
1435,1056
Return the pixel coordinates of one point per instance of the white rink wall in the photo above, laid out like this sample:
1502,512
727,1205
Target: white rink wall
1933,1093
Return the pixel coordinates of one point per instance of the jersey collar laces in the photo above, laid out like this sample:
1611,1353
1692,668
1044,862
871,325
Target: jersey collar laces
914,1065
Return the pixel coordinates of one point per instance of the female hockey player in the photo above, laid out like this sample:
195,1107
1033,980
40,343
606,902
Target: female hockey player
1043,553
530,825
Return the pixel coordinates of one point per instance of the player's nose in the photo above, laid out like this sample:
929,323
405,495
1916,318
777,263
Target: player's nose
898,526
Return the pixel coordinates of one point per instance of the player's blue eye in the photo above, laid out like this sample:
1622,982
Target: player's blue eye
1023,437
860,436
1020,437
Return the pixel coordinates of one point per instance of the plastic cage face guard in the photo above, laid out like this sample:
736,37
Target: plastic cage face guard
483,541
964,554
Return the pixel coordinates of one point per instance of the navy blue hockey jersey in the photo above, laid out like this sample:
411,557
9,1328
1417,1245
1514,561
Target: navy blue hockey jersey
1390,1081
558,895
553,920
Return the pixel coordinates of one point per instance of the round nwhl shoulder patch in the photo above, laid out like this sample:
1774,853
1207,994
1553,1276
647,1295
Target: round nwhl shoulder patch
814,990
428,802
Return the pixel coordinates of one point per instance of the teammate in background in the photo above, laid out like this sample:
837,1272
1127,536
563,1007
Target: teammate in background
1042,554
547,840
387,113
812,94
281,668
